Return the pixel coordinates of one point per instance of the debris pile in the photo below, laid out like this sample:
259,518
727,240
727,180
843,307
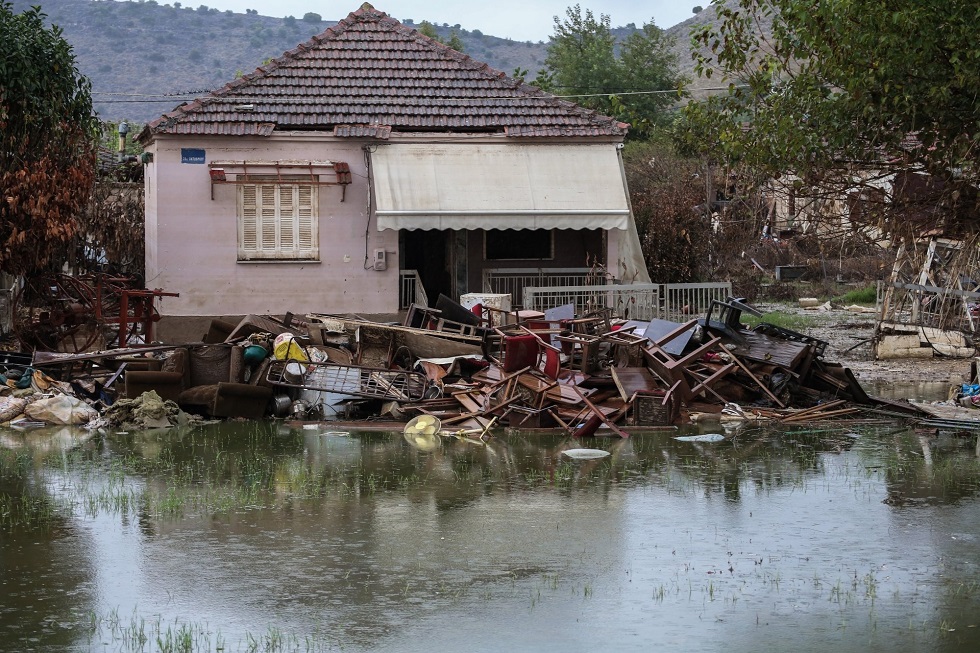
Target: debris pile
470,370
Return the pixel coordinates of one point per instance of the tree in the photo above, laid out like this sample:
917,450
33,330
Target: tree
820,88
675,236
582,61
311,17
428,29
697,9
48,137
455,42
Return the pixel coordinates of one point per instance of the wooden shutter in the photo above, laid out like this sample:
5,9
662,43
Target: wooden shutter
248,229
278,221
269,220
306,221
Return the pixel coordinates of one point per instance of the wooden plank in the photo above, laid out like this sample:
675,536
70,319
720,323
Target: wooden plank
630,380
602,417
766,349
706,383
756,380
814,409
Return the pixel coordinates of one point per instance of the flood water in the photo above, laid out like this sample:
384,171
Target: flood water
266,537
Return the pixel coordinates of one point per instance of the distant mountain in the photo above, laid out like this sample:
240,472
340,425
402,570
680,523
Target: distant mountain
698,87
145,58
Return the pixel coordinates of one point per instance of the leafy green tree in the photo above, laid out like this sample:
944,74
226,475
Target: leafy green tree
636,84
581,59
836,85
455,42
648,68
426,28
48,137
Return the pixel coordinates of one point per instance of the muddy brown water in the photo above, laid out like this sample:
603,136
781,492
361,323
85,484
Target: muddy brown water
263,537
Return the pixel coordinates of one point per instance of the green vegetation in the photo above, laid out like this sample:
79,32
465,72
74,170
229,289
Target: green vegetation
892,83
867,295
623,80
428,29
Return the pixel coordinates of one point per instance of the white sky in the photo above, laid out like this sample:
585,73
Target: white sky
521,20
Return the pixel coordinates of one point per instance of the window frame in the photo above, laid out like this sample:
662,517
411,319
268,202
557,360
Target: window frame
287,206
515,233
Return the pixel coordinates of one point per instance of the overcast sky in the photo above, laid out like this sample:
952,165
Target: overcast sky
521,20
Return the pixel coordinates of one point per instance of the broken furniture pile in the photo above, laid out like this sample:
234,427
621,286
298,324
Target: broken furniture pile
525,369
471,370
929,306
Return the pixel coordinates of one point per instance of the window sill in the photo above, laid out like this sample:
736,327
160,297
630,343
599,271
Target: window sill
283,261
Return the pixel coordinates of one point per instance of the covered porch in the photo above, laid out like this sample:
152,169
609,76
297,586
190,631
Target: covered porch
496,217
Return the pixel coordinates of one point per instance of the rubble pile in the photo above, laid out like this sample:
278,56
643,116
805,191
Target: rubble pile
587,374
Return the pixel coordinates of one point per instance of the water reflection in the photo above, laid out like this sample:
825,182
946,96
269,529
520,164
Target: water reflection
265,537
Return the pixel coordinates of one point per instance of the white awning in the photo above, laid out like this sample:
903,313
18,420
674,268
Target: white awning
499,186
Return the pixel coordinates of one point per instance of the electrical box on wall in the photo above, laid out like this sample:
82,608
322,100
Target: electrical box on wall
380,259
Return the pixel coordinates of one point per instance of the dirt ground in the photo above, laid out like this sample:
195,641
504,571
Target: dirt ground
849,337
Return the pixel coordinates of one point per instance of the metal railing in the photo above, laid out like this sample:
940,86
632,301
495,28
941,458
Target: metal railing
680,301
676,302
513,281
410,290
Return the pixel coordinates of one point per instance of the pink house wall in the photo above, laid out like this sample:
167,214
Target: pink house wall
192,242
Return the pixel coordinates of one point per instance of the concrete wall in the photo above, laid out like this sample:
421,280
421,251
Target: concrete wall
192,242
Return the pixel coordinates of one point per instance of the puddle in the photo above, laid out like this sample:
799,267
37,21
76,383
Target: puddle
255,536
912,390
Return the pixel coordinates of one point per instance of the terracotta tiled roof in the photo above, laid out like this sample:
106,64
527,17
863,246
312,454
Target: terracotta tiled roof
370,75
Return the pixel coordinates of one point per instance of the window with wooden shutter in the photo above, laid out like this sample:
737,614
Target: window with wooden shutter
277,220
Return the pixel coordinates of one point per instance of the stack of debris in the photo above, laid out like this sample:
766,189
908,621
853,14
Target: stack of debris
587,374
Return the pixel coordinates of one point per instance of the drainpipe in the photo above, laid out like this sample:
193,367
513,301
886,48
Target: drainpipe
123,131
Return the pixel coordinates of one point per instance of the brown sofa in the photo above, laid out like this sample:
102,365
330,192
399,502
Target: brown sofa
207,379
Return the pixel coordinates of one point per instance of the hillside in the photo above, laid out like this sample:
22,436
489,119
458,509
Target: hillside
163,54
145,58
698,87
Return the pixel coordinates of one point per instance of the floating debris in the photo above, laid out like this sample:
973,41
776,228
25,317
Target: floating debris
585,454
706,437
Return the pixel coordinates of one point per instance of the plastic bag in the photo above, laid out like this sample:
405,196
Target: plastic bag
285,347
61,409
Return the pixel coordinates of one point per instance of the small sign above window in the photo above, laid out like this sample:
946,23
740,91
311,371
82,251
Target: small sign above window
191,155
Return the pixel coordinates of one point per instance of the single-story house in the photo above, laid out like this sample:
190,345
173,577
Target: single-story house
367,165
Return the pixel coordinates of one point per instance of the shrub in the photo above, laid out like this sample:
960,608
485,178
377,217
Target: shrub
866,295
